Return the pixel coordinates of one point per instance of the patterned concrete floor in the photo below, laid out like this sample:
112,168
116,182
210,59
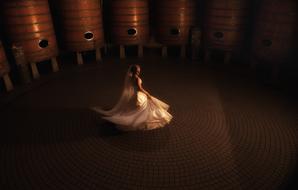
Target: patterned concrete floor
227,133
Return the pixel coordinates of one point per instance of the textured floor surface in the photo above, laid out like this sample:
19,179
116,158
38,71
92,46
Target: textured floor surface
227,133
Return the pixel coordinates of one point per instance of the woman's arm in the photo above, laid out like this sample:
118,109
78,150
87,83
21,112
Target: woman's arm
142,89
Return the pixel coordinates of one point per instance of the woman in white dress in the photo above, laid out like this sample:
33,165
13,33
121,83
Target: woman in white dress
136,108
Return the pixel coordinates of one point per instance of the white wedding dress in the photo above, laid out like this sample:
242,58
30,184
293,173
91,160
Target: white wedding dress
135,111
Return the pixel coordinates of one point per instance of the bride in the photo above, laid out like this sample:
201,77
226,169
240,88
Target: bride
136,108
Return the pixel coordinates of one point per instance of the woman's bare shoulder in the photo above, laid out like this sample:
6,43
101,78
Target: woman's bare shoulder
139,79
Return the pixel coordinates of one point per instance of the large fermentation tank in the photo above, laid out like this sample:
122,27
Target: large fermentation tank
129,21
28,24
275,36
80,24
174,19
226,23
4,67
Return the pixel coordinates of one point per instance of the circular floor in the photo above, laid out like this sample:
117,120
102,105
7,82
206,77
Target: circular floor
227,133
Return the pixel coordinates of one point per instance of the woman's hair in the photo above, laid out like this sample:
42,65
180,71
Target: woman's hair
133,69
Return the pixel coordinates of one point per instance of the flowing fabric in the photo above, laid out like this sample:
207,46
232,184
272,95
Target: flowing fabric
135,111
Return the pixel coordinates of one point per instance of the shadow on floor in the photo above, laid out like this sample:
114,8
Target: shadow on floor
292,182
52,125
67,125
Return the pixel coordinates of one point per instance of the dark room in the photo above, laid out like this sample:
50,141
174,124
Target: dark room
148,94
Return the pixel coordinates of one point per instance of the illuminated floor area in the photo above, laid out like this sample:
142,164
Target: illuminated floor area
227,133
